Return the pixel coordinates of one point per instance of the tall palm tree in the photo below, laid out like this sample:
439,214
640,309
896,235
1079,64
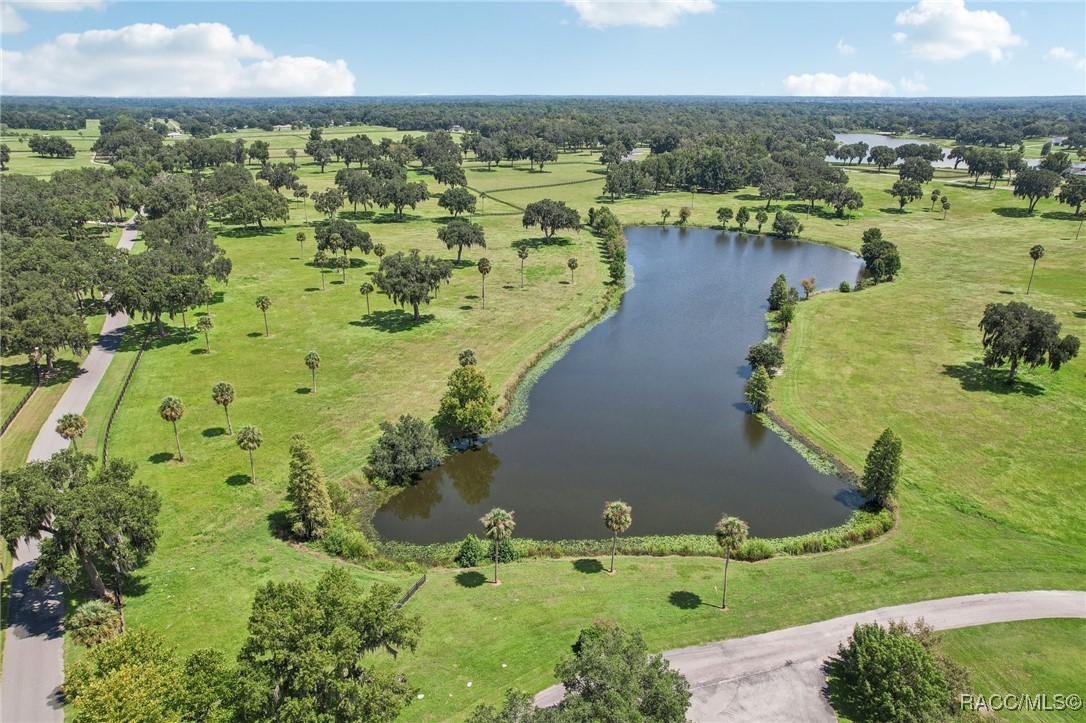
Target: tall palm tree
250,439
731,533
205,325
617,516
320,260
499,526
264,303
172,409
343,263
484,269
70,426
300,238
313,361
572,264
522,252
302,191
1035,253
223,394
366,289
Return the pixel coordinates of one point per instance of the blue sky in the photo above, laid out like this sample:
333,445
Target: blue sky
928,47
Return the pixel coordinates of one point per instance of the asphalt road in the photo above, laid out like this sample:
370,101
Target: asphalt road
779,676
34,639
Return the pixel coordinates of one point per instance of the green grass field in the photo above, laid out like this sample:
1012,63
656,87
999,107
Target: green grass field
1024,658
989,475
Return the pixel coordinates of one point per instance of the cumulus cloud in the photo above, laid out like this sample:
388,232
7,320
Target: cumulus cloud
203,59
844,48
645,13
862,84
12,22
914,85
946,30
1060,54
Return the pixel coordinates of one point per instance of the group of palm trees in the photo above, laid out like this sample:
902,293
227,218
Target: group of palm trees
731,533
248,438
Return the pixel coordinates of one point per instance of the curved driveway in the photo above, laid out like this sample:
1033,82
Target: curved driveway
34,639
778,676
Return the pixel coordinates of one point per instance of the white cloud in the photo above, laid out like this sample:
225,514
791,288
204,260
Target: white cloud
646,13
914,85
1063,55
864,84
844,48
10,20
946,30
204,59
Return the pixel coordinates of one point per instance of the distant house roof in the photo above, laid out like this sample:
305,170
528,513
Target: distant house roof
283,127
456,129
174,134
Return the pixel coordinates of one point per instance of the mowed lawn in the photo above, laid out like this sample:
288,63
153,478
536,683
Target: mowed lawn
1024,658
990,484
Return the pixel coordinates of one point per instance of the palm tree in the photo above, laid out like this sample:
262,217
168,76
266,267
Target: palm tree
946,206
665,213
731,533
302,191
366,289
1035,253
313,361
320,260
379,250
572,264
250,439
223,393
71,426
205,325
300,238
484,269
936,194
343,263
522,252
264,303
617,516
172,409
499,526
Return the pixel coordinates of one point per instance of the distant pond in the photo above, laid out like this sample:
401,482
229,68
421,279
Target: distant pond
648,407
875,139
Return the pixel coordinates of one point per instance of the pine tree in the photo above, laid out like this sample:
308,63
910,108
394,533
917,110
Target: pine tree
883,467
778,293
307,491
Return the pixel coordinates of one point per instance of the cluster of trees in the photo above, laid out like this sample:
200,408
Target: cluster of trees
1018,334
605,225
338,624
881,255
51,147
412,445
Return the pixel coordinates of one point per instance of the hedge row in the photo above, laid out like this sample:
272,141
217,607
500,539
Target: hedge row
864,525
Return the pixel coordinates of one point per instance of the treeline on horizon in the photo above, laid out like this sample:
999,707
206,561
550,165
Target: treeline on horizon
582,121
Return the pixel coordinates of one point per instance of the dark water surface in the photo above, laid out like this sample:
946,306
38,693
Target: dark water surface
648,407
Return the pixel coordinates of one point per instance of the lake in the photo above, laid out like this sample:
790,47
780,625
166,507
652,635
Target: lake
648,407
874,139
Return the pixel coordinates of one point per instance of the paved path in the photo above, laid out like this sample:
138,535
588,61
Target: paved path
34,639
778,676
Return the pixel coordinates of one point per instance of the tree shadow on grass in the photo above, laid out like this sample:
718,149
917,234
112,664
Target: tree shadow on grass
474,578
685,600
135,585
748,197
250,232
975,377
23,374
893,211
588,566
302,390
393,320
312,288
213,432
254,334
279,524
535,243
238,480
393,218
160,457
199,351
1060,216
1009,212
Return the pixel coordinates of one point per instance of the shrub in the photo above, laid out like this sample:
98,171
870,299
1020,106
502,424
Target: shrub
845,287
346,543
471,552
755,549
864,283
94,622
